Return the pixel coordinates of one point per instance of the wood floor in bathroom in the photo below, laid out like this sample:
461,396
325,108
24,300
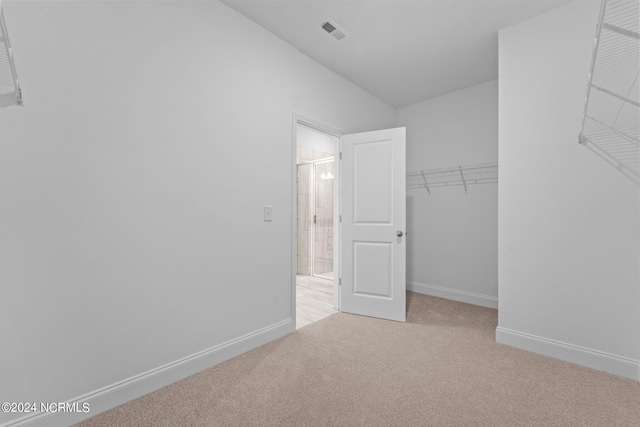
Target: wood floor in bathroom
314,300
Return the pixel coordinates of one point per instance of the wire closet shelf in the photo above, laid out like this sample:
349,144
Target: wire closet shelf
463,175
611,122
10,92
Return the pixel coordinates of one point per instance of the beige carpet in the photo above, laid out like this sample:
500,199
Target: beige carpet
441,368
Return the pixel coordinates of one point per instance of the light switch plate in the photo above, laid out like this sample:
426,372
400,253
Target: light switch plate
267,213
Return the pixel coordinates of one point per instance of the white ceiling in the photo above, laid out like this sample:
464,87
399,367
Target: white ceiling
400,51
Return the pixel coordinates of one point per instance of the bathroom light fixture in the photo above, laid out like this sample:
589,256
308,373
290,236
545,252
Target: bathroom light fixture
327,175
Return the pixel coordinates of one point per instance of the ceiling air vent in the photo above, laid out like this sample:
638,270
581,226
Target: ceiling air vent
333,30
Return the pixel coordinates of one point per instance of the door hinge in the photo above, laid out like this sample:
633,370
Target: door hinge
340,218
314,219
340,281
341,155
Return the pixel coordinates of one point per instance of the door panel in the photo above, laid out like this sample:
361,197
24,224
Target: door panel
373,257
372,168
373,269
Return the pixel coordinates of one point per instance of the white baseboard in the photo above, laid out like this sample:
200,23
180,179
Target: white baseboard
590,358
454,294
124,391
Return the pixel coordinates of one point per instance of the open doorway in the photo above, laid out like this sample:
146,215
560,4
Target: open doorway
315,231
366,234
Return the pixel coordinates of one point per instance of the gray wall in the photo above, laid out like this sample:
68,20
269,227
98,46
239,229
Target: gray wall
568,221
130,183
452,242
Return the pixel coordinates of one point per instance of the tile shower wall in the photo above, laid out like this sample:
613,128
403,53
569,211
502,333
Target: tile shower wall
324,211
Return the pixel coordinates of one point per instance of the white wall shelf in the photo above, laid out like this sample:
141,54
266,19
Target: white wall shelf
611,122
463,175
10,92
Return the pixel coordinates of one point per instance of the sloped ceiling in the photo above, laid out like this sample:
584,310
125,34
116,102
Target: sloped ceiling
402,52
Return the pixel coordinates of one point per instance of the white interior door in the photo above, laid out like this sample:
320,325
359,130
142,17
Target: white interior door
372,241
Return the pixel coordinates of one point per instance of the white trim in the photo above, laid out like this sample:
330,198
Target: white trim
124,391
594,359
337,225
454,294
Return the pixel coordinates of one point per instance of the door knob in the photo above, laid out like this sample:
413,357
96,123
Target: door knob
399,233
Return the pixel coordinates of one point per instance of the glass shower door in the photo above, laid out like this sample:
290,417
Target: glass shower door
323,220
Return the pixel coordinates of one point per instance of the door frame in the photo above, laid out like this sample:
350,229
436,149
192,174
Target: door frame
306,121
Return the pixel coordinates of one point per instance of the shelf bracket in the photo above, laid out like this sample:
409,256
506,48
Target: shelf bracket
463,181
425,182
